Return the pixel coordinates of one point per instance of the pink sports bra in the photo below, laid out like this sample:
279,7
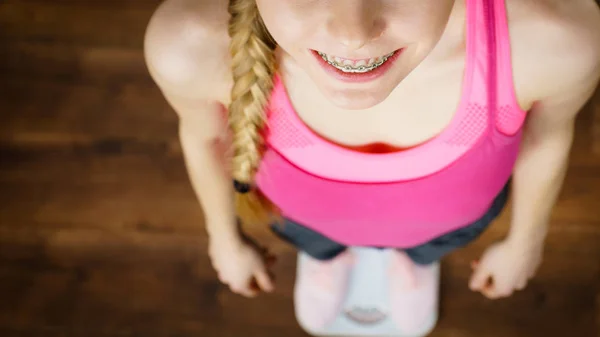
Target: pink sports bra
404,198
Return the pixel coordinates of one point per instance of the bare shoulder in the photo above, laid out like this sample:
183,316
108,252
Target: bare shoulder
186,49
555,46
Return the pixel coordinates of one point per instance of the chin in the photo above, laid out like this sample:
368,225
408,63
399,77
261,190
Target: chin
355,99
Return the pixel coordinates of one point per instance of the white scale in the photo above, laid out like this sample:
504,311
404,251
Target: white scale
366,308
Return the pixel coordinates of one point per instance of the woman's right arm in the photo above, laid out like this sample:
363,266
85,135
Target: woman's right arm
186,53
189,63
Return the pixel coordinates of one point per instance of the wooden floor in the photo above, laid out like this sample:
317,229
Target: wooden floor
100,233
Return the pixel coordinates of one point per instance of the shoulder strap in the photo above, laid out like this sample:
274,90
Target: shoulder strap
509,117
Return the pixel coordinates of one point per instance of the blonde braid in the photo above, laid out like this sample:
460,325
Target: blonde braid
253,67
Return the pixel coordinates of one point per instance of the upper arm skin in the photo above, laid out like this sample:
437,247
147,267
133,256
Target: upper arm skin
569,74
186,52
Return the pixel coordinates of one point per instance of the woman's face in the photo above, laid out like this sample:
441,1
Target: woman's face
356,37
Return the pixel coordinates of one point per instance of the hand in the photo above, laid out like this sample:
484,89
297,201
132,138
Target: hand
242,266
505,267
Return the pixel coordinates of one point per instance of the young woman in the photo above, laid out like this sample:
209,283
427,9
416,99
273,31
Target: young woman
386,123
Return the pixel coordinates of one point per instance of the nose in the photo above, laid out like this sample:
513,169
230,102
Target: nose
354,23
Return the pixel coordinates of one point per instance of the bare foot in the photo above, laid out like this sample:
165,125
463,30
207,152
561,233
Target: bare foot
320,290
413,293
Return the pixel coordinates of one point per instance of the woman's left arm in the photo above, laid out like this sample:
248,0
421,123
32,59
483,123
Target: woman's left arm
537,181
542,163
538,175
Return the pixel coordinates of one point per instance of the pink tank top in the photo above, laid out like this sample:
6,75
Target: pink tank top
404,198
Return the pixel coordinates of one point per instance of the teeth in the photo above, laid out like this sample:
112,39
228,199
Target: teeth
350,66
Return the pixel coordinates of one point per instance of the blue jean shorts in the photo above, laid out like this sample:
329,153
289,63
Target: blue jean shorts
323,248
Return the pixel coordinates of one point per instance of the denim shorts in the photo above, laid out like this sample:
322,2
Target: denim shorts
323,248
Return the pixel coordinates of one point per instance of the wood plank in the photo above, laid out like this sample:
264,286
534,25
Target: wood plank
87,23
61,62
82,112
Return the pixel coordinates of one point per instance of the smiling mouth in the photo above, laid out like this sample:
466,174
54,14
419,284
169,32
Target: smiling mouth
355,66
